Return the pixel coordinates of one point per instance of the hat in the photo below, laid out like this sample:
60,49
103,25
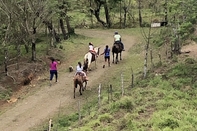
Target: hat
116,32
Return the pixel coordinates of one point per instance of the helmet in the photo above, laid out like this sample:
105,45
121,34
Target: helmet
90,43
116,32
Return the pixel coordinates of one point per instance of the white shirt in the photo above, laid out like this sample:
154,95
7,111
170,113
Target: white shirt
117,37
79,69
91,47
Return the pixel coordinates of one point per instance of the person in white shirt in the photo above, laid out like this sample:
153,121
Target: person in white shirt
80,70
117,38
91,49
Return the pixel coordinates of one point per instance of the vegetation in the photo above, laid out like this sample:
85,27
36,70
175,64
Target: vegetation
163,100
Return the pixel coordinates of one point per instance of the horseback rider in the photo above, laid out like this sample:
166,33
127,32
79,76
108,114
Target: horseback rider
80,70
117,39
91,49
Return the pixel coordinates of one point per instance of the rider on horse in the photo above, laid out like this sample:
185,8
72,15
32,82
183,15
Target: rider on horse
80,71
117,39
91,49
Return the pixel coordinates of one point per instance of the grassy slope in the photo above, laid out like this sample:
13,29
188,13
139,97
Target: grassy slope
166,100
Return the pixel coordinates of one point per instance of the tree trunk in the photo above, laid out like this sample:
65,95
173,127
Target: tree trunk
125,17
63,29
166,11
52,30
70,30
107,15
6,60
96,12
140,15
33,42
120,13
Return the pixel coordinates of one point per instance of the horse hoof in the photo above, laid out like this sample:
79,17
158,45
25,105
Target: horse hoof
103,66
80,94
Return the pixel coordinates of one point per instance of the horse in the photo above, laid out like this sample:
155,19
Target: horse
79,80
91,57
117,48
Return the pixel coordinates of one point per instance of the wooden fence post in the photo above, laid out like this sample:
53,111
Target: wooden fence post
108,92
50,123
111,91
132,78
79,112
99,95
122,84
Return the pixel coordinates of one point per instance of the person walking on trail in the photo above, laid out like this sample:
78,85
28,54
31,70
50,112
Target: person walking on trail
107,55
53,70
91,49
80,70
117,38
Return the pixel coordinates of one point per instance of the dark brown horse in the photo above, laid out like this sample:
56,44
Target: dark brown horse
117,49
79,80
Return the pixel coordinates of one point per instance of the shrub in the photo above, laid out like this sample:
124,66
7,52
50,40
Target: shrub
169,123
105,118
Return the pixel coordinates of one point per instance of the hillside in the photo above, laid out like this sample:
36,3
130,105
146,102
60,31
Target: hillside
44,102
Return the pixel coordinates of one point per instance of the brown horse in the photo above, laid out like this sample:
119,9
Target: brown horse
79,80
117,48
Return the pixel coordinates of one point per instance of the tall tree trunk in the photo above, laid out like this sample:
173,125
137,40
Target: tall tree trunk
107,15
125,16
96,12
166,11
140,15
63,12
52,30
120,13
70,30
33,43
63,29
90,1
6,60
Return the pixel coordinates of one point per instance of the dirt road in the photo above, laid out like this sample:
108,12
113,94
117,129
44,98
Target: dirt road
43,104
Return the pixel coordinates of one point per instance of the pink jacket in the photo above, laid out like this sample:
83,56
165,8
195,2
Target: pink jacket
53,66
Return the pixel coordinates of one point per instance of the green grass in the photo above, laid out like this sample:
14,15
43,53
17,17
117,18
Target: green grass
163,101
158,106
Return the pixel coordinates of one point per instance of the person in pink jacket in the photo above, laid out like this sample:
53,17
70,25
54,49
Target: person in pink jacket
53,70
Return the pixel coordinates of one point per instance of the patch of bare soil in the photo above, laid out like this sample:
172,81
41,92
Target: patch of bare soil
190,50
42,104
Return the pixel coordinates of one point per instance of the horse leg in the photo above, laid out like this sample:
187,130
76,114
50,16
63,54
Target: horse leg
85,85
120,56
95,62
74,91
116,58
113,57
81,86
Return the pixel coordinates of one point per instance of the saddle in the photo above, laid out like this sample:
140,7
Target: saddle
79,73
118,44
93,56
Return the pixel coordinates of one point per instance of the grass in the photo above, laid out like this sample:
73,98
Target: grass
165,100
160,105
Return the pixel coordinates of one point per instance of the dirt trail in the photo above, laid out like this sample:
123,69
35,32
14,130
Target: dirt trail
43,104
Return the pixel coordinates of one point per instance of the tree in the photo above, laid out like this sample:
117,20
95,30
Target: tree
96,11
